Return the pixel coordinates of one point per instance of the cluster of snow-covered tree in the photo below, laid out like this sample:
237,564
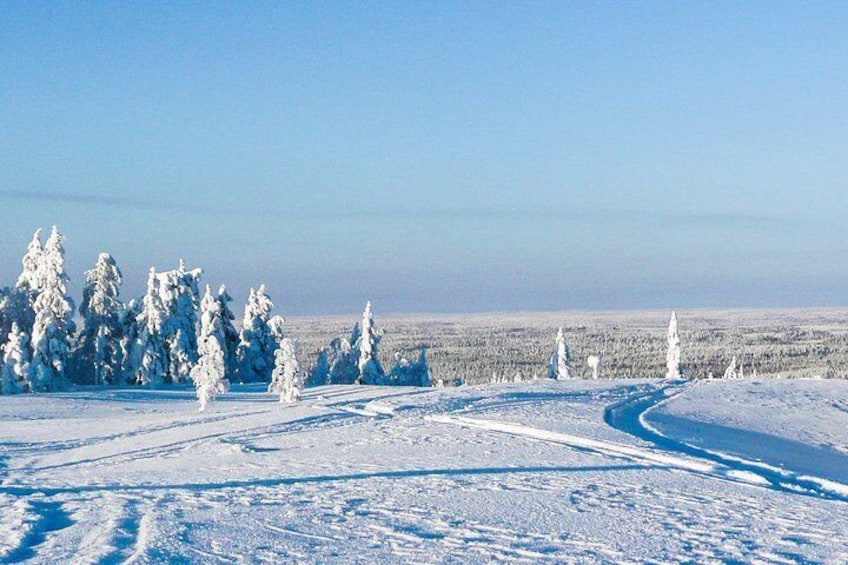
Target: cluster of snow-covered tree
171,335
560,365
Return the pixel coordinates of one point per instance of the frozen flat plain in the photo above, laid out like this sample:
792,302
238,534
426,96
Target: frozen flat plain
474,347
609,471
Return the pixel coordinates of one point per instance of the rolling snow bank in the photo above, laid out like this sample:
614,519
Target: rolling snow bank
559,472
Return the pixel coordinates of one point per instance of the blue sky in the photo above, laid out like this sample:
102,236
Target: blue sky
437,156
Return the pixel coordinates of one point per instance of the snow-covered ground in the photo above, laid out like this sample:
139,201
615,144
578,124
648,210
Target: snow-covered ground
578,471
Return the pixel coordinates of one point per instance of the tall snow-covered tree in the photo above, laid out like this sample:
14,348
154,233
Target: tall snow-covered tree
370,370
152,357
53,325
560,364
180,298
29,278
209,373
286,379
672,358
131,351
231,334
14,374
97,357
259,338
16,303
167,326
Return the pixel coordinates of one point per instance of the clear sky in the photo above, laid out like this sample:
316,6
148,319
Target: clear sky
437,156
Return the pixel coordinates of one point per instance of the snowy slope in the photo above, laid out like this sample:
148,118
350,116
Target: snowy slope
555,472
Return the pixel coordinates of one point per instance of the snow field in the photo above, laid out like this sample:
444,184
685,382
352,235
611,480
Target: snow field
560,472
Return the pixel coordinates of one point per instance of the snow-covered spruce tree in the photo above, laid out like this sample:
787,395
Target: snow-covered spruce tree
407,373
286,380
231,334
733,371
29,277
16,309
259,338
53,325
344,358
560,364
594,362
672,358
16,302
130,341
211,321
209,374
180,298
14,374
370,370
319,373
97,357
150,345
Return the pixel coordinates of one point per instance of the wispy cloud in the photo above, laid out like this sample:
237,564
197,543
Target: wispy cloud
579,215
81,199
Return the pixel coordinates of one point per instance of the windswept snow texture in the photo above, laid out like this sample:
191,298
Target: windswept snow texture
557,472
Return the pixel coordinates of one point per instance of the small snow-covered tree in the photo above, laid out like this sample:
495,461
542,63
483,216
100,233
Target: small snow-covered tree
672,358
131,350
407,373
733,371
16,309
209,374
344,359
594,362
14,374
319,373
560,364
53,325
370,370
211,320
286,379
97,357
259,338
231,334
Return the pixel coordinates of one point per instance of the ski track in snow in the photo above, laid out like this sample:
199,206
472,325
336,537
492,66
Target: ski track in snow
631,416
394,514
